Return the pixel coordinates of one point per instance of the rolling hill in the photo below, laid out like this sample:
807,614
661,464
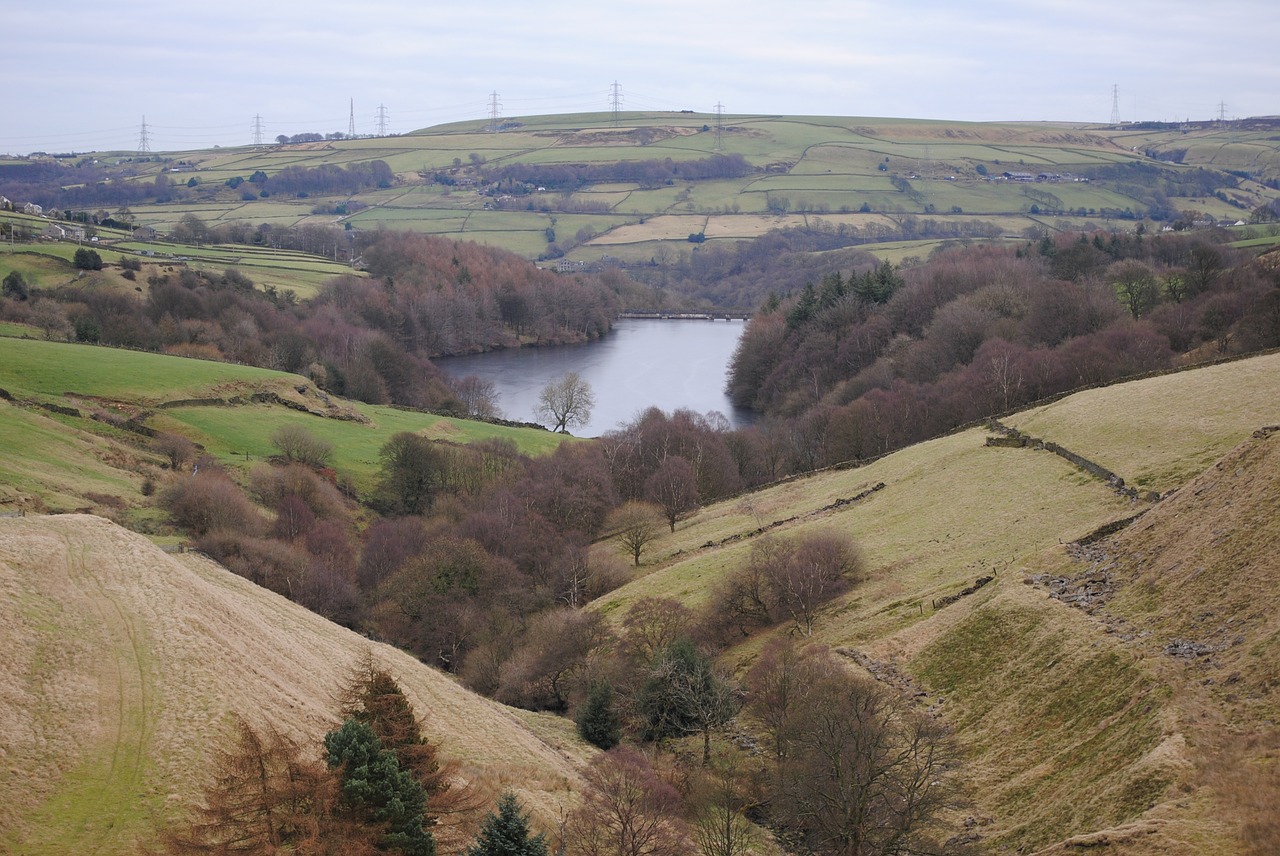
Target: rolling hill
886,178
71,416
122,665
1080,726
1111,681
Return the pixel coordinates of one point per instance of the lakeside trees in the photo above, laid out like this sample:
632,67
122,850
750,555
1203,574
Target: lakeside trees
853,367
566,402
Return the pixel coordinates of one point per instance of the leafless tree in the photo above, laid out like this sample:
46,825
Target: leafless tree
178,449
816,568
566,403
636,524
674,487
718,797
298,444
478,397
858,772
627,810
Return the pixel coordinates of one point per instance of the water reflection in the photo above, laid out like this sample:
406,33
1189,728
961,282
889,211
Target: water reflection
642,363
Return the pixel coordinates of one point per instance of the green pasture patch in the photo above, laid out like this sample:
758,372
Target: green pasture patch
528,243
21,331
568,225
45,457
1268,241
55,369
39,269
242,435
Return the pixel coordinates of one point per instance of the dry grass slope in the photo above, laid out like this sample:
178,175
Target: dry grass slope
120,666
1076,736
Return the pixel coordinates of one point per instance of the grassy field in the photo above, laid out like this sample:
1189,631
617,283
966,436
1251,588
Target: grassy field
65,462
810,165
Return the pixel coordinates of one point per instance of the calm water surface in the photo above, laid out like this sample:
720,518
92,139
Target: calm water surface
642,363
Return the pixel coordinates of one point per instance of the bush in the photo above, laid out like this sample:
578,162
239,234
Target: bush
211,502
299,445
15,286
86,259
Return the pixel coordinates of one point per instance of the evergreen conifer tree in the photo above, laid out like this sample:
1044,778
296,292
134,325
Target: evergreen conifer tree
506,833
598,721
374,786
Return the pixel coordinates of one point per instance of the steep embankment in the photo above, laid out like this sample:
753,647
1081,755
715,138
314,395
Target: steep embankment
120,666
1076,731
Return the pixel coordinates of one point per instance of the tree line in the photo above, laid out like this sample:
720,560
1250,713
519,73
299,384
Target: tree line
90,185
368,338
648,173
855,366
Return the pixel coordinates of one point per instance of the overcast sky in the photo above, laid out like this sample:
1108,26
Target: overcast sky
80,76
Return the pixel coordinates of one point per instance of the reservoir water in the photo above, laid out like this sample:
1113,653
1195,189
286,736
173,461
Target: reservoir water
670,364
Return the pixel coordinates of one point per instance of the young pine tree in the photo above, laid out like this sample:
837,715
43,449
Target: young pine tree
507,833
598,721
374,789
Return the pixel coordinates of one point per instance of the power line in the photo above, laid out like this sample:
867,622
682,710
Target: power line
144,140
382,120
495,110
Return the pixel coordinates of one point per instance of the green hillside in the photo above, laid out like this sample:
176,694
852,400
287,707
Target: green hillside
857,172
66,460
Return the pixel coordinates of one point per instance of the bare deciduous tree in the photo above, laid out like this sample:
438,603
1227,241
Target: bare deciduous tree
298,444
673,486
628,810
566,402
636,524
858,771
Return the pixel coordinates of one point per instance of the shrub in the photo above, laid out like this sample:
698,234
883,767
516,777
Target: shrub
86,259
211,502
298,444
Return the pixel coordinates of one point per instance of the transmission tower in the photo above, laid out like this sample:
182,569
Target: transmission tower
257,129
1115,104
495,110
719,123
144,139
1222,111
351,123
382,120
615,102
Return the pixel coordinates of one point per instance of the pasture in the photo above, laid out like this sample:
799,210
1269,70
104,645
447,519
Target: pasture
806,165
